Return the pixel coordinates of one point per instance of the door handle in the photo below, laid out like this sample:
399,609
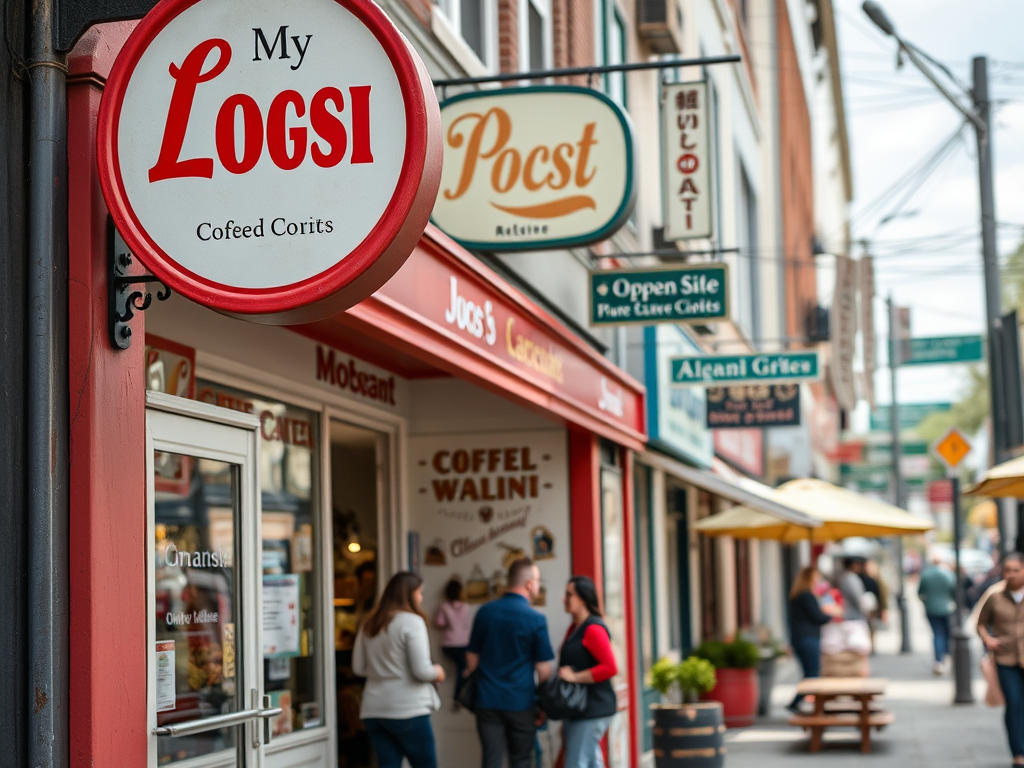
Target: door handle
207,723
224,721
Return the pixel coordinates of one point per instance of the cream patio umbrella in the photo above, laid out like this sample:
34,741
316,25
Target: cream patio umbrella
1006,479
842,514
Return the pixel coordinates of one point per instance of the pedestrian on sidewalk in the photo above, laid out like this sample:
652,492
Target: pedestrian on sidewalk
508,644
392,651
937,588
873,586
586,657
806,618
454,621
1001,628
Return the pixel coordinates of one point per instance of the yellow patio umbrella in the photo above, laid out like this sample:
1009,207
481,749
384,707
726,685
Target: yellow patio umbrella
984,515
1006,479
842,513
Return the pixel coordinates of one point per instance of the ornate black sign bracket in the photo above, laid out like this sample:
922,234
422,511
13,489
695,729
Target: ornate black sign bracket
127,290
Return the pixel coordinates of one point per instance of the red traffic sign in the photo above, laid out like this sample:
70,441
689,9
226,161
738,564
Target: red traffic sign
940,492
276,162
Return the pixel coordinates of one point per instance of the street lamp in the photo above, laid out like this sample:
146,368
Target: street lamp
978,115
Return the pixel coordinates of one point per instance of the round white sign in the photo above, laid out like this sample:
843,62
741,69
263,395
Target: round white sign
276,161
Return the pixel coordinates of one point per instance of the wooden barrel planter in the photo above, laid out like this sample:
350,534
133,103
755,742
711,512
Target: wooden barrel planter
689,735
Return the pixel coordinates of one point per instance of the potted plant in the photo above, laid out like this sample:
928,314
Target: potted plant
687,732
736,686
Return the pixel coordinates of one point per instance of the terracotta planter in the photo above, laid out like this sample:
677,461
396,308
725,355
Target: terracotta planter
737,691
689,735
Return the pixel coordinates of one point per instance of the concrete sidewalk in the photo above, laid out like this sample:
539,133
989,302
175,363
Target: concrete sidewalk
929,732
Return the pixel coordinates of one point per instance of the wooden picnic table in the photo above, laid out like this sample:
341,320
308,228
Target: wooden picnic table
843,701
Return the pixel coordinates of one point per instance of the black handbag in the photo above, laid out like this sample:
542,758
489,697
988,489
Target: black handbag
467,696
561,700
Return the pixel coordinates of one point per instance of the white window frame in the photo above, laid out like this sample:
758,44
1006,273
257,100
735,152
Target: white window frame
446,24
543,8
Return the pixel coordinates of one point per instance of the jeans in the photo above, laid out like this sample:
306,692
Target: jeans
502,729
1011,680
808,650
458,656
940,633
412,738
582,740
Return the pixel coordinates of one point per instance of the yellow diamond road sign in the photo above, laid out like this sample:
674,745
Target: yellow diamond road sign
951,448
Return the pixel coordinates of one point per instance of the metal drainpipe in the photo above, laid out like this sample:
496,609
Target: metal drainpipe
47,401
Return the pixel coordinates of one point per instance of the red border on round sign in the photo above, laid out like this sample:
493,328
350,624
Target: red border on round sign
298,302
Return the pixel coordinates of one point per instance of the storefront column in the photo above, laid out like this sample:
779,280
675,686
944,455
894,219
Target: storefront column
107,451
585,499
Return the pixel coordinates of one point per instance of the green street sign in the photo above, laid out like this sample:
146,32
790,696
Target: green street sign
689,294
726,370
945,349
911,414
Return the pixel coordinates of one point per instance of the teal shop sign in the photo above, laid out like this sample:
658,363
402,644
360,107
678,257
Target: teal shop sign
945,349
690,294
719,370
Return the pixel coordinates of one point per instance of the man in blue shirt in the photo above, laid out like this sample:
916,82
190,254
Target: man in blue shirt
509,643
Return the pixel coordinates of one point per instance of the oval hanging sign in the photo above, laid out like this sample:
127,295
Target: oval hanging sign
534,168
273,161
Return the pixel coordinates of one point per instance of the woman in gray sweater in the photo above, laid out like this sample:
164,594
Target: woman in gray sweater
392,652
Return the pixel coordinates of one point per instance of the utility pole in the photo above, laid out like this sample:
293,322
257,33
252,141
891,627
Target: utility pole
993,298
979,115
897,474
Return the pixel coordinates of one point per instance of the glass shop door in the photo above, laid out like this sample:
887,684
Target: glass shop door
206,701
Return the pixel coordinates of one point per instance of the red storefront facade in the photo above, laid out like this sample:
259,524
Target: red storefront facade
445,357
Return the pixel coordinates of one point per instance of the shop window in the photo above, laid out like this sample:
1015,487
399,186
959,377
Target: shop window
748,272
290,533
677,567
615,53
710,623
197,600
612,512
645,566
535,26
470,21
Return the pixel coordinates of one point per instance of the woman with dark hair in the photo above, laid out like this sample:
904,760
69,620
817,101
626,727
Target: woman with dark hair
392,652
806,618
455,623
587,657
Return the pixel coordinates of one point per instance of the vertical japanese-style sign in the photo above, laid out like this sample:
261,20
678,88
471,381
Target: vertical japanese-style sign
866,288
686,196
844,332
273,161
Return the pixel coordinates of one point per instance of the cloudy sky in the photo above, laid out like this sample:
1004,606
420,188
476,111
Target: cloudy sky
928,255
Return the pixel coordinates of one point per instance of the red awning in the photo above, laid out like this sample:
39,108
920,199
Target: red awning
451,312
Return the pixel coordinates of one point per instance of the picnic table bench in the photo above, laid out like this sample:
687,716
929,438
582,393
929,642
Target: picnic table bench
843,702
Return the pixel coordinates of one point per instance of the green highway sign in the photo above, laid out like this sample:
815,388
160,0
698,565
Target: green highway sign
697,293
945,349
726,370
911,414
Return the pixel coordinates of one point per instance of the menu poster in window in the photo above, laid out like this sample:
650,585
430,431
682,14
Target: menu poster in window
165,693
281,615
